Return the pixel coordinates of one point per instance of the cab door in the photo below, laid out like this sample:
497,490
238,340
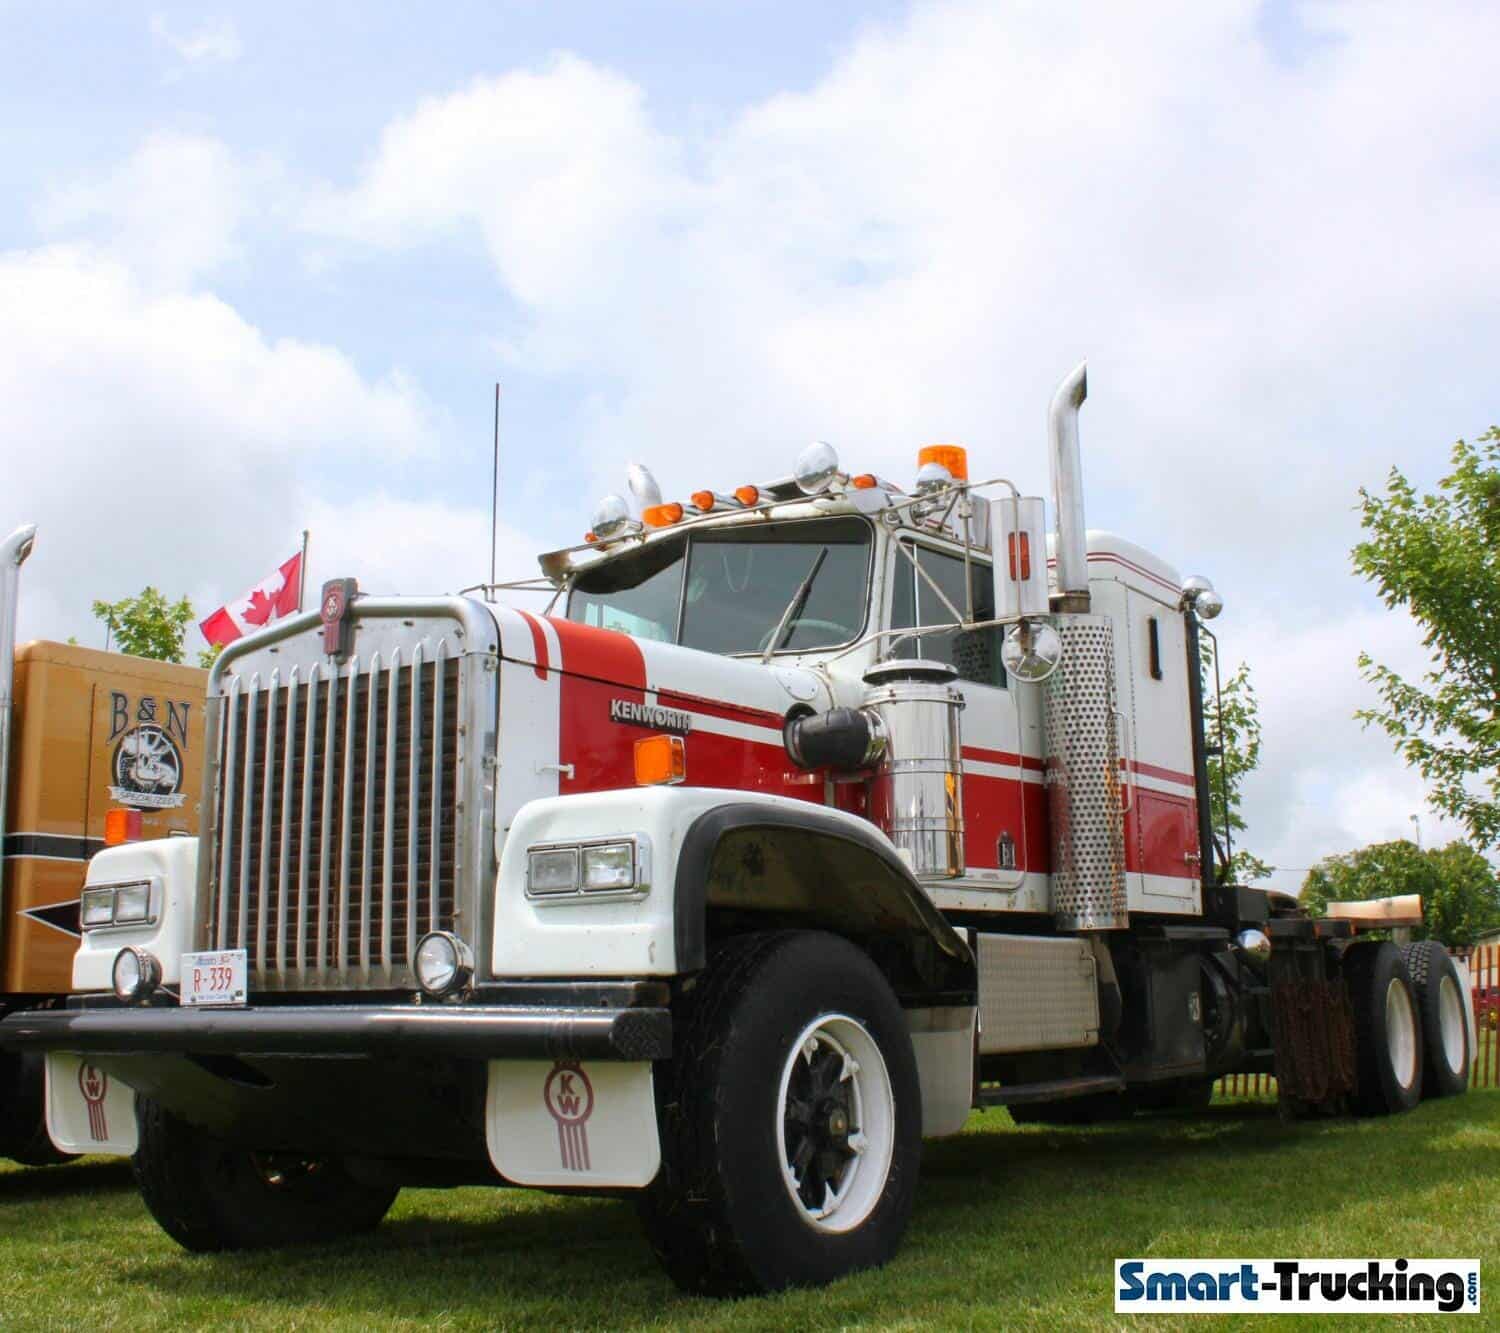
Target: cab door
1161,815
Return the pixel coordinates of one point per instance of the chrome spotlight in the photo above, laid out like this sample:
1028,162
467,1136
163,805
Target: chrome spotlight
1198,593
135,975
816,467
611,518
443,964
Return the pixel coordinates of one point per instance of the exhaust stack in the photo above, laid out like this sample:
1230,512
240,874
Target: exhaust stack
13,553
1067,491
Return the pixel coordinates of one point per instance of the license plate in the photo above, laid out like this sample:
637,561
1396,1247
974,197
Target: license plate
214,978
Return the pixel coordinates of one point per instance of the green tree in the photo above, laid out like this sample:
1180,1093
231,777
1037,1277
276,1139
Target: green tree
1232,727
1460,892
148,625
1438,556
208,656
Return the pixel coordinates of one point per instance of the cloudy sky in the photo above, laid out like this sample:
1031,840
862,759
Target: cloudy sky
260,267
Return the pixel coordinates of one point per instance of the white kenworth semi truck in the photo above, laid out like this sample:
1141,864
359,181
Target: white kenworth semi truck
812,815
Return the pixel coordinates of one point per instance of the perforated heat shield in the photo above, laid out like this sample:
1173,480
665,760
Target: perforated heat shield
1083,780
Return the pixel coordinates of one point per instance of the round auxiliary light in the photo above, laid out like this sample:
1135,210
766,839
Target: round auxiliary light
443,963
611,517
933,477
1198,593
1031,651
816,467
135,975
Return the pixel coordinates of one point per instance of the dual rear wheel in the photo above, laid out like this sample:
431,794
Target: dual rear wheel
1411,1032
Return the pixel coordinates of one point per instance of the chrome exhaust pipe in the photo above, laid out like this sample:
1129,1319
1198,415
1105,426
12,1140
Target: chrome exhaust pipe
1067,491
13,553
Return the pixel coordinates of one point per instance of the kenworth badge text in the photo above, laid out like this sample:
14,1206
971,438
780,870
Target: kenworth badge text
811,816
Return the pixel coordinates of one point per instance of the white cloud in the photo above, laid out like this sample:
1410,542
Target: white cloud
1275,268
394,545
172,211
217,42
158,437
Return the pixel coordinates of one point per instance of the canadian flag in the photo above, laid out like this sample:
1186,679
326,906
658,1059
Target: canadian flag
275,596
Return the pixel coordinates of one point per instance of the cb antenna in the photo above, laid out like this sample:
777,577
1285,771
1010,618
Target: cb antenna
494,497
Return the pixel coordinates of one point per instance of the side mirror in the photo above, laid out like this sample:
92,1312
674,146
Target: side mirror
1031,651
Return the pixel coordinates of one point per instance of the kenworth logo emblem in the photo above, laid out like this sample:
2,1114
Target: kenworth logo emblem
569,1097
94,1084
649,715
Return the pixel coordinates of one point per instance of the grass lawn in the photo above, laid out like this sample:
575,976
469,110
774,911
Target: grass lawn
1013,1228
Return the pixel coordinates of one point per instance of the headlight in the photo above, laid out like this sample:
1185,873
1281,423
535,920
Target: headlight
552,870
563,871
132,903
443,963
98,907
136,974
610,865
129,904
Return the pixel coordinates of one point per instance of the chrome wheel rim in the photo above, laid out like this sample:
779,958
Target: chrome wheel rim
1454,1029
1401,1033
835,1123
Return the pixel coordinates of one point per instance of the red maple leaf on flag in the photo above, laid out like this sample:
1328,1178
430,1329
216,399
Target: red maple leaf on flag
259,608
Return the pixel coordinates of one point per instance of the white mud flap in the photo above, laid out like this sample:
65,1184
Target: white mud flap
87,1110
572,1123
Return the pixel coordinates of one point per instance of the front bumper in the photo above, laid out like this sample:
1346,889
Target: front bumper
480,1032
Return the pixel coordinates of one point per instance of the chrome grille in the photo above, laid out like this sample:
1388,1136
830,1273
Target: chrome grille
338,836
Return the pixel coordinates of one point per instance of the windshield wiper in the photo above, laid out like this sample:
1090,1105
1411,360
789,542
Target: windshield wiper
794,607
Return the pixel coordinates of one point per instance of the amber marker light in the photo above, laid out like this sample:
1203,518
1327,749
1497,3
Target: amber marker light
747,495
864,482
660,760
703,500
951,456
662,516
121,826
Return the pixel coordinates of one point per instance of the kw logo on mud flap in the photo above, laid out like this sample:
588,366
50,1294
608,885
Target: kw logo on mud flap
569,1098
94,1084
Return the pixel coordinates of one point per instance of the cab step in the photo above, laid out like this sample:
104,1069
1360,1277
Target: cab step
1012,1094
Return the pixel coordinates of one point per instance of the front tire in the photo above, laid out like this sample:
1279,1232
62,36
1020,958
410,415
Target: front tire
209,1196
1441,999
1387,1032
791,1120
23,1115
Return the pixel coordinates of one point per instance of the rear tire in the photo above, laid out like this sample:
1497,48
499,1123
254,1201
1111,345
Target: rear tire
23,1113
209,1196
1441,998
1387,1030
791,1120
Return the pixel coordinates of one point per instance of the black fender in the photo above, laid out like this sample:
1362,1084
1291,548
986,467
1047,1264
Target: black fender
747,866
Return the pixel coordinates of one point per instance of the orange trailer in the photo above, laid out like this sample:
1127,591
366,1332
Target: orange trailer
94,747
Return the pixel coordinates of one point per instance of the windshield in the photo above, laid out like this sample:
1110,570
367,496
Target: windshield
725,590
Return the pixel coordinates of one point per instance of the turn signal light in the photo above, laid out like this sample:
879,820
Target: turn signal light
864,482
703,500
661,516
121,826
951,456
659,760
747,495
